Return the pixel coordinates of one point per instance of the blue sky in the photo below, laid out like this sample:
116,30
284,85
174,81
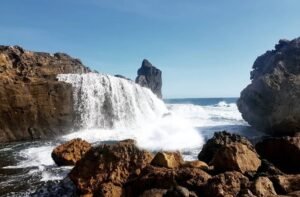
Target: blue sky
204,48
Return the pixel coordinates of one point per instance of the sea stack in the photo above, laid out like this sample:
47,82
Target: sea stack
271,102
149,76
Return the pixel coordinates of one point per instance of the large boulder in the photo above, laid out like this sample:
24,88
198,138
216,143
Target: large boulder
109,166
271,102
33,104
220,140
283,152
70,152
236,157
150,77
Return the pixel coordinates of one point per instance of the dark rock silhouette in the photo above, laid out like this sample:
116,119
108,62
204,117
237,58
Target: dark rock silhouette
150,77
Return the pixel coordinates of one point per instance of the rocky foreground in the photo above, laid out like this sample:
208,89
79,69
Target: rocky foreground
228,165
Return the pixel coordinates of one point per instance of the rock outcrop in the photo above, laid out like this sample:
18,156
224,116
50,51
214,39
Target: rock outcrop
33,104
69,153
150,77
271,102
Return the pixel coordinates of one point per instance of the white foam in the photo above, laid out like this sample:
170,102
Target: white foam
104,101
35,157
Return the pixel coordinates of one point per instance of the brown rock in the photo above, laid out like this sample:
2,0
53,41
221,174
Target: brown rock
219,140
70,152
196,164
283,152
109,190
167,159
115,164
164,178
285,184
294,194
33,104
227,184
154,193
235,157
263,187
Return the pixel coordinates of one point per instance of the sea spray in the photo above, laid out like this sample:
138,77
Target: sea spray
104,101
111,108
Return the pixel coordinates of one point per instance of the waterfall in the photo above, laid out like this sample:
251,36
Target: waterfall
104,101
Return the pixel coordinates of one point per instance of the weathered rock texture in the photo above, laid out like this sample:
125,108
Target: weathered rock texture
70,152
221,140
226,184
150,77
236,156
271,102
107,167
33,104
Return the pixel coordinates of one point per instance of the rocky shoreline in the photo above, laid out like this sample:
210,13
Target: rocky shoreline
228,165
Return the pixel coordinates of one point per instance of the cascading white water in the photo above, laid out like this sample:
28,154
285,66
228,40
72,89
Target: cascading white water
104,101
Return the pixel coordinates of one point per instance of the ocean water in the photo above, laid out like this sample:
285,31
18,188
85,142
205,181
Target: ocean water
180,124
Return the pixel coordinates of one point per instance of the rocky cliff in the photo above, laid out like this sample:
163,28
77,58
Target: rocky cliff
271,102
33,104
150,77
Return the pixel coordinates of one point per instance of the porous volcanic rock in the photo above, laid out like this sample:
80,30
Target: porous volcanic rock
112,164
219,140
33,104
271,102
150,77
164,178
283,152
235,157
167,159
70,152
226,184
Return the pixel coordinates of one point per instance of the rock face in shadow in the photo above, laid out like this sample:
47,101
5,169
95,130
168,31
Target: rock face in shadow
271,102
33,104
283,152
150,77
